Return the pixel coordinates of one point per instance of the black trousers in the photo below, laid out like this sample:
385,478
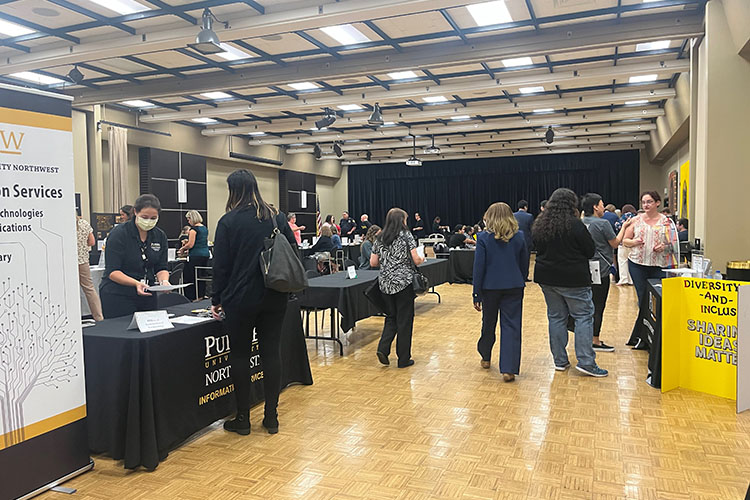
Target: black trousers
599,294
399,320
266,320
188,276
115,305
509,304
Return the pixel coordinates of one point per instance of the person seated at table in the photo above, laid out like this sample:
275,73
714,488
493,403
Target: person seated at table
348,225
325,242
135,257
366,248
477,230
459,239
197,248
418,227
181,241
240,293
297,230
682,229
439,229
364,225
335,238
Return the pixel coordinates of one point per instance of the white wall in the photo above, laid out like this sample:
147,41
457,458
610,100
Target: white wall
656,176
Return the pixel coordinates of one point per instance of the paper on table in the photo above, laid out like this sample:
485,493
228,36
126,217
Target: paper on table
165,288
190,320
420,251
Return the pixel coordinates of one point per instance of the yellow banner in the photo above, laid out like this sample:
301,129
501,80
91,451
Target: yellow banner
699,335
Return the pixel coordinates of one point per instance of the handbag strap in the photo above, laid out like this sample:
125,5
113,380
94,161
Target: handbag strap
275,226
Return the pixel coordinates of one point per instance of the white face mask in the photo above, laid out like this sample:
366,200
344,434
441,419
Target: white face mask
146,224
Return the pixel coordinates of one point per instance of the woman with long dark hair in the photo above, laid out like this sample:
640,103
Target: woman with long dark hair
240,293
395,251
564,247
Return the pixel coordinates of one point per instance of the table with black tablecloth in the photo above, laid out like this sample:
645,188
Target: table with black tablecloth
461,265
351,252
345,297
650,320
148,392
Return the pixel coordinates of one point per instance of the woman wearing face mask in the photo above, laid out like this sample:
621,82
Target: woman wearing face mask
136,257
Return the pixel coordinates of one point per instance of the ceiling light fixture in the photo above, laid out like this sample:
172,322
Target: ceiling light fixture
549,136
376,117
402,75
327,120
642,78
317,152
303,86
518,61
489,13
75,75
137,103
207,41
37,78
13,29
337,149
544,110
659,45
232,53
636,103
216,95
349,107
204,120
414,161
345,34
459,118
531,90
256,134
122,7
435,99
432,150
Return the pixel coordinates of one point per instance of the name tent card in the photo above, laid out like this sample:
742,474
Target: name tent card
351,272
150,321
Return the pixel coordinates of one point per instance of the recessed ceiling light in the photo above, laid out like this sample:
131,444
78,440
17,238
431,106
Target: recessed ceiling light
518,61
204,120
271,38
489,13
45,12
13,29
635,103
460,117
402,75
137,103
315,129
122,6
30,76
435,98
349,107
389,124
231,53
661,44
256,133
216,95
642,78
531,90
303,86
544,110
345,34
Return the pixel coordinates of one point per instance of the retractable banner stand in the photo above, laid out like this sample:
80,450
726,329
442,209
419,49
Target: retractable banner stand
743,351
42,393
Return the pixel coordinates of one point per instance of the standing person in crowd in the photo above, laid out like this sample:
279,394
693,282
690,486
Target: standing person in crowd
652,239
437,228
348,225
336,239
682,230
418,229
564,247
85,240
126,213
395,252
239,293
365,249
542,205
459,239
184,234
330,221
325,242
610,215
500,267
297,230
135,257
477,230
605,240
198,255
364,225
525,220
628,212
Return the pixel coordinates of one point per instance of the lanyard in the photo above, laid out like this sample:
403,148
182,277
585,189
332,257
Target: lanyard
146,264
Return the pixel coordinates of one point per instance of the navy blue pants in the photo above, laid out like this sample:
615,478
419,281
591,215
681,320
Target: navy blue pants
509,304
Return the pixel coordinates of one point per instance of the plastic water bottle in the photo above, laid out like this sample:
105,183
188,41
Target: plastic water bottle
718,275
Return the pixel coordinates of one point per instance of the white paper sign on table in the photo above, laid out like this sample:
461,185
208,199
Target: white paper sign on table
150,321
351,271
191,320
166,288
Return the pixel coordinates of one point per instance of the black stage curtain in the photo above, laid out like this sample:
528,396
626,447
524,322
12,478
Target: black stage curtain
459,191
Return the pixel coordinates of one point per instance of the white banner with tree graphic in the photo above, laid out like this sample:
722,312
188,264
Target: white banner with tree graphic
41,352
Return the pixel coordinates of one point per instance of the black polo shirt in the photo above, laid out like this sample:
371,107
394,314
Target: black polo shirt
363,227
126,252
346,226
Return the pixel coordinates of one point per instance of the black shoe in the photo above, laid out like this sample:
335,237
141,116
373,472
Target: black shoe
383,358
405,363
602,347
640,345
240,424
271,424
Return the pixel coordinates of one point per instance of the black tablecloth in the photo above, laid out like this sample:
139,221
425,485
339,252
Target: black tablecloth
461,266
347,295
148,392
352,252
650,316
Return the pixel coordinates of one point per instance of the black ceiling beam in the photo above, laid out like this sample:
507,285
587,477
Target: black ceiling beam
488,70
431,76
155,66
382,34
111,74
329,87
284,92
90,13
261,53
172,10
325,48
259,118
59,33
453,25
380,82
255,5
240,96
210,62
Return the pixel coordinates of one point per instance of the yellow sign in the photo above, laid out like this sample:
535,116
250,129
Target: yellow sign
699,335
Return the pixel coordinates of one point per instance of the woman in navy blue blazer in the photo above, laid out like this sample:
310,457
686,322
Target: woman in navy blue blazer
501,264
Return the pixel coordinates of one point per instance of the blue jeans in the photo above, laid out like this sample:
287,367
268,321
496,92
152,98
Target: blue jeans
576,302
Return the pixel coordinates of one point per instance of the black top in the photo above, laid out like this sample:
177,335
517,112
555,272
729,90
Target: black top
137,259
239,240
564,261
419,233
346,226
457,240
362,227
436,228
324,244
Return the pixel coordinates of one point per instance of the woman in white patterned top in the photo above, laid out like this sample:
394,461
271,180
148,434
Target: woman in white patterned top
395,251
652,240
85,240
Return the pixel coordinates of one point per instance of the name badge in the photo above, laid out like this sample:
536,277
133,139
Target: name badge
155,246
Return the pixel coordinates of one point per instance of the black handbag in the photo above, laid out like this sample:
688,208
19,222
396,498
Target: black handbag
419,281
281,268
375,296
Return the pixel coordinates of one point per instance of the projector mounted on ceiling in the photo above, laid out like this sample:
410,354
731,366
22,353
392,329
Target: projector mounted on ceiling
413,162
432,150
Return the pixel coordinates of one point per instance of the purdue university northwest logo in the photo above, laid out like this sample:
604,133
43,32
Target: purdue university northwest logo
10,142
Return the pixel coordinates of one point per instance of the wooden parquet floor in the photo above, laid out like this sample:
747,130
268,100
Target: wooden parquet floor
447,429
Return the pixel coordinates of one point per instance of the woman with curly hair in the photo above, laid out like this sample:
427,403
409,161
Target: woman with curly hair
564,247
